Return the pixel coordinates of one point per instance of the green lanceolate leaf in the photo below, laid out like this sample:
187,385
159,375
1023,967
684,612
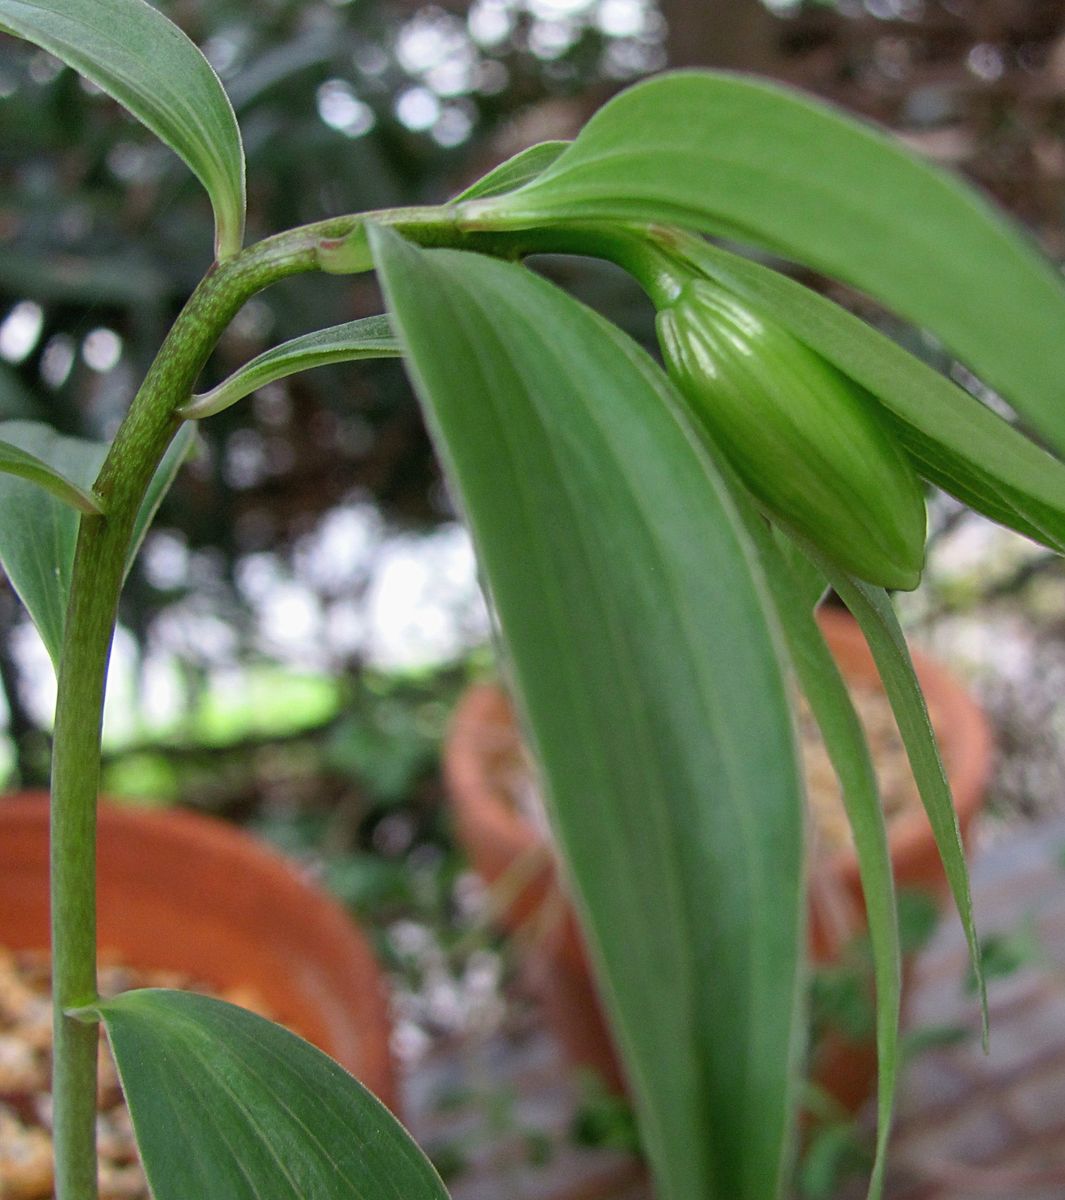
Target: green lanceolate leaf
131,51
873,611
958,443
14,461
515,172
369,338
753,161
636,623
39,531
225,1103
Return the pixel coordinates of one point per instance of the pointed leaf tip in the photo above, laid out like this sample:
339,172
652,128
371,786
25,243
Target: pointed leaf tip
146,63
873,610
225,1103
370,337
14,461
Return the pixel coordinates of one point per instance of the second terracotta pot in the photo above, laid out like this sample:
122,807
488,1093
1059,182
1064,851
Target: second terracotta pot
482,755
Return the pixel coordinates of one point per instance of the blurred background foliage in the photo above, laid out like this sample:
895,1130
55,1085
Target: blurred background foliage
306,608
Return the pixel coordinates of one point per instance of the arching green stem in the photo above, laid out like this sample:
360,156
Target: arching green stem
99,567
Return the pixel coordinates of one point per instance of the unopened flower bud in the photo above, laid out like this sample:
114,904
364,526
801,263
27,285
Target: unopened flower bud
807,441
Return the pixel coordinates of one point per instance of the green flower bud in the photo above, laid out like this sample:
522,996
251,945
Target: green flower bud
807,441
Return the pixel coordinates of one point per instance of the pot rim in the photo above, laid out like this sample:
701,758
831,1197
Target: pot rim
336,974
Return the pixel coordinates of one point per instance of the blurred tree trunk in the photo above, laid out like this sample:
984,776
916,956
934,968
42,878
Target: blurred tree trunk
738,34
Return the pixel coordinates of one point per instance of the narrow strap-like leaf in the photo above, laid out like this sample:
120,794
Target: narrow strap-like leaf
515,172
369,338
14,461
638,630
848,752
959,443
873,611
751,160
135,54
227,1104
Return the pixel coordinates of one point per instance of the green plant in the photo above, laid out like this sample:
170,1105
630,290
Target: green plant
841,1002
603,1118
653,599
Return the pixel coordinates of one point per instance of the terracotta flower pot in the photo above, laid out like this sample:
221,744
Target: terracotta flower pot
184,892
482,754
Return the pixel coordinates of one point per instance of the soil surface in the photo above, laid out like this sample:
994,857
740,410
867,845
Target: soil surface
830,830
26,1165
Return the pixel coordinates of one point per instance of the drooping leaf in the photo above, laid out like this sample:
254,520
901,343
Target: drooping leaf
844,740
845,743
14,461
39,532
515,172
873,611
637,630
141,59
225,1103
959,443
369,338
764,165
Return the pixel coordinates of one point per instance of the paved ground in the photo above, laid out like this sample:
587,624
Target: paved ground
969,1127
976,1127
